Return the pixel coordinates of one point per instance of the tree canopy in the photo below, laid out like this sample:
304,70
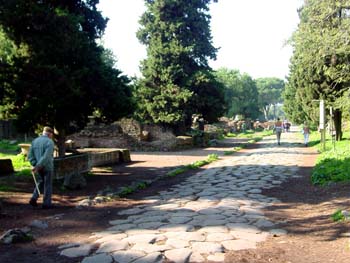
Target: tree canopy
320,63
241,94
270,94
177,81
64,75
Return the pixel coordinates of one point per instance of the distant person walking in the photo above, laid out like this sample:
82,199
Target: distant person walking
306,133
278,129
40,157
286,126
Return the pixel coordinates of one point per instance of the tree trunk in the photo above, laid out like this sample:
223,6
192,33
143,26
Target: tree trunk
337,124
266,112
61,138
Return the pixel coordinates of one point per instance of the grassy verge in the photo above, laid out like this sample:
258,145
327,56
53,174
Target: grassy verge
249,134
211,158
333,163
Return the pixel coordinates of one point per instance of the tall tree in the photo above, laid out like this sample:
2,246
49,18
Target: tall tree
9,52
65,76
320,64
177,79
291,105
270,94
241,95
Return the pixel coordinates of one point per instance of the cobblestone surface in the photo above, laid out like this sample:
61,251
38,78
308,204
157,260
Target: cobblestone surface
214,211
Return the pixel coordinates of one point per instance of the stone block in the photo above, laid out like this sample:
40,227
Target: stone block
125,155
106,156
182,141
71,165
24,148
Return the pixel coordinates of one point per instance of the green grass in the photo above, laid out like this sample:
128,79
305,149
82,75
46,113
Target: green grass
333,163
338,216
7,188
235,149
19,162
211,158
249,134
6,146
11,151
127,190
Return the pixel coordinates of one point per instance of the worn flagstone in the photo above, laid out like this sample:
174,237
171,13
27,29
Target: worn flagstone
218,209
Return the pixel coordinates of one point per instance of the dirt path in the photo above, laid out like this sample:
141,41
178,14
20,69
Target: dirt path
304,211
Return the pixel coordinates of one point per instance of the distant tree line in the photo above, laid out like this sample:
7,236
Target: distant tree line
248,97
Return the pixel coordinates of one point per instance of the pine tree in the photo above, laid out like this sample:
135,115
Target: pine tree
177,79
320,64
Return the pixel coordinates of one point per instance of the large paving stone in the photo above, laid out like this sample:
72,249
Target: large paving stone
150,225
255,237
209,217
217,257
127,256
101,258
155,257
180,255
150,248
215,222
214,229
186,236
74,252
142,238
179,220
176,227
207,247
121,227
148,219
112,245
131,232
196,257
219,237
131,211
261,223
238,244
177,243
119,221
243,227
107,238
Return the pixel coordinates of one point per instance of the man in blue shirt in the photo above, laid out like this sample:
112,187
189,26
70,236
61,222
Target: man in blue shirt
40,157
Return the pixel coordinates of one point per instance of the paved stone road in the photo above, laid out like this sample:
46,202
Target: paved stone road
214,211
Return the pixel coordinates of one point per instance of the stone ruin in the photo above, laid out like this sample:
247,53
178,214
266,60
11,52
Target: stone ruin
231,125
131,134
126,133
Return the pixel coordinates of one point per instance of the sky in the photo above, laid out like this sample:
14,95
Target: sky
251,35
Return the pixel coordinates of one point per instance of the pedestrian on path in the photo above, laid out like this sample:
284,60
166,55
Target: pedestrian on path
306,133
278,129
40,157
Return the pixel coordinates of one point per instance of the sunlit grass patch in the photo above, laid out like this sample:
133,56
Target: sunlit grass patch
211,158
333,164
